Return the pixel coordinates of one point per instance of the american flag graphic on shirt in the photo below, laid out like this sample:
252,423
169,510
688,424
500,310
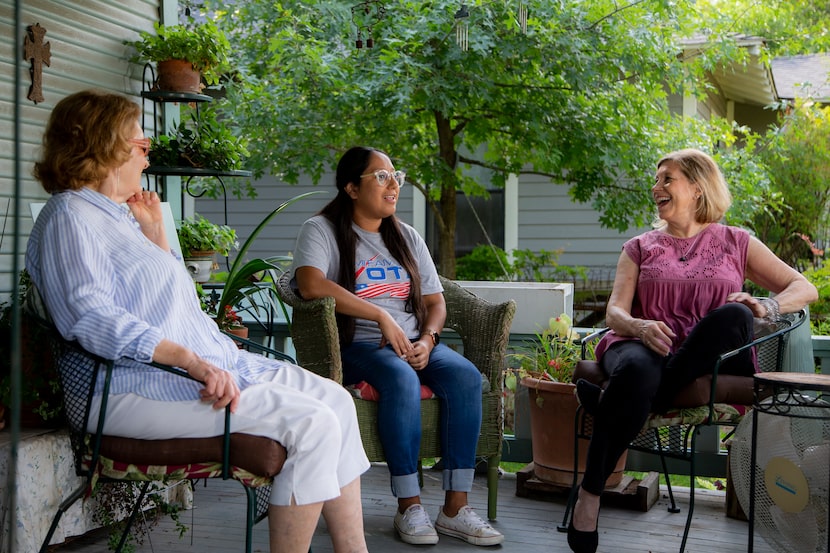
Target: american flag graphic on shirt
379,277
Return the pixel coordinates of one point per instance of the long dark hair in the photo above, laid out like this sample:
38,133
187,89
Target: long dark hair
340,211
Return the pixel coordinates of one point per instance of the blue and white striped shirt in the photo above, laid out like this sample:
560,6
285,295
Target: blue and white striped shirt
118,294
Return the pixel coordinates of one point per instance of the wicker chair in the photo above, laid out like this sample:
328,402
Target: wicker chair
484,329
251,460
711,400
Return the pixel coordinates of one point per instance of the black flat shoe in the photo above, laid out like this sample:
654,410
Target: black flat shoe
588,395
582,542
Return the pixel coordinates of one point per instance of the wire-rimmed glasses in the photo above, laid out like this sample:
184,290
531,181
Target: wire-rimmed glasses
143,143
382,176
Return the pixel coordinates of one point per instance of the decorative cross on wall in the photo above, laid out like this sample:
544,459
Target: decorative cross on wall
38,52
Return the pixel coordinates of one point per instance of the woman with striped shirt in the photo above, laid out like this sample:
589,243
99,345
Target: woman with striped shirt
100,259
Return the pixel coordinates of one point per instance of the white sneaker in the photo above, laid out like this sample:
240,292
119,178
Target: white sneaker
468,526
414,526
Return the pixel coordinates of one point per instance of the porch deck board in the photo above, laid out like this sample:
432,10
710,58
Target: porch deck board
216,524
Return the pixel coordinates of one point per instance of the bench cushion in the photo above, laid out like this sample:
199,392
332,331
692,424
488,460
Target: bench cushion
256,454
364,390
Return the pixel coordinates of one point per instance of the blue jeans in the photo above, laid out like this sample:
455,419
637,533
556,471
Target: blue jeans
457,384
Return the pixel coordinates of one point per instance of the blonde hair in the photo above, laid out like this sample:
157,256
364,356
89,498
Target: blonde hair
87,135
702,170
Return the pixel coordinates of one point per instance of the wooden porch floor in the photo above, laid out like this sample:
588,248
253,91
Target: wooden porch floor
529,525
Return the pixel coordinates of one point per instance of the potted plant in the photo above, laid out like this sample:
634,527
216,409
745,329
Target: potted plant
546,367
242,280
200,240
40,399
184,55
202,142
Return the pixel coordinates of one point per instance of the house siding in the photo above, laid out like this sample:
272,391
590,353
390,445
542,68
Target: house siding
279,237
87,51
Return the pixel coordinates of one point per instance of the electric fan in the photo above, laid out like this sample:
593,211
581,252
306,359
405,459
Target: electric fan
791,480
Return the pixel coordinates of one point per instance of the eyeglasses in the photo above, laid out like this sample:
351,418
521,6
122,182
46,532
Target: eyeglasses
383,176
143,143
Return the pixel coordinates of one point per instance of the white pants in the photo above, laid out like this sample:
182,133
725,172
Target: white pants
312,417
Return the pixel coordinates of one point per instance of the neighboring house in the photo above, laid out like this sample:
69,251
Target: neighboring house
803,76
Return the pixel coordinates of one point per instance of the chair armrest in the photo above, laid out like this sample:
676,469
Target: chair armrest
314,332
484,329
256,347
769,349
596,335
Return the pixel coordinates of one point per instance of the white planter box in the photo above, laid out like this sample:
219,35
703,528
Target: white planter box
536,302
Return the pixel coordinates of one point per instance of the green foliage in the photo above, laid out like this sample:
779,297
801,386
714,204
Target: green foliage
240,283
205,46
113,502
543,266
40,389
429,104
798,163
484,263
199,234
201,141
580,98
820,309
553,354
789,27
491,263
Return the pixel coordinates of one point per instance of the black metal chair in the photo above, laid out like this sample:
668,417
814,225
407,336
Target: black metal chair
251,460
712,400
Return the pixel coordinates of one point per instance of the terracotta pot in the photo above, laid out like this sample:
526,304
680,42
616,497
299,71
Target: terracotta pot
552,409
178,76
241,331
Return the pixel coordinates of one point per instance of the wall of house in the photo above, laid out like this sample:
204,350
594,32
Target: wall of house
279,236
87,51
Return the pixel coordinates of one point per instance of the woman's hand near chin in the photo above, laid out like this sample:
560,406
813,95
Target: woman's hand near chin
146,208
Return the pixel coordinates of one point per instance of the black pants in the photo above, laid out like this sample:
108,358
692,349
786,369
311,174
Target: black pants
641,381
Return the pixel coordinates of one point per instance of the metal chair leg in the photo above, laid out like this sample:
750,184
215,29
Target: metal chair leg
572,495
672,508
62,508
691,491
129,524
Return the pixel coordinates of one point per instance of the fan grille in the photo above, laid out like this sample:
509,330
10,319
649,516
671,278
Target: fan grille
791,479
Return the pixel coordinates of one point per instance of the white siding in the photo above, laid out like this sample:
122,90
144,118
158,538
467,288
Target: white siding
549,220
87,51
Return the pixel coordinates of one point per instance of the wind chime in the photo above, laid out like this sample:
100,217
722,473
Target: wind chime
462,25
363,20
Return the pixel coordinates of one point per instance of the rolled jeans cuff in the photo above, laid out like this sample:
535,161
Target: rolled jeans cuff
406,485
458,480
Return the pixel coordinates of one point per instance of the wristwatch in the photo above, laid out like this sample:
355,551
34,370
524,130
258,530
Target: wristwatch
436,338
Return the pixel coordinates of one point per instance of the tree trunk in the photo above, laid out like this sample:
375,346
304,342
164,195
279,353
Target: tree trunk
446,226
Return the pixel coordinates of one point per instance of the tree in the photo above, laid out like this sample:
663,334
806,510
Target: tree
797,157
580,97
790,27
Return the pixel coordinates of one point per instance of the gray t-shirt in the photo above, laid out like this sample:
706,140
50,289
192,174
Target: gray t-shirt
379,278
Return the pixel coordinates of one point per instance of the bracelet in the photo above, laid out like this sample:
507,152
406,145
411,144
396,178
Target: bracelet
773,309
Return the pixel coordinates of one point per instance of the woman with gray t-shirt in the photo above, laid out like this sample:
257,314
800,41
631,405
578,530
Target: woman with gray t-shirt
390,310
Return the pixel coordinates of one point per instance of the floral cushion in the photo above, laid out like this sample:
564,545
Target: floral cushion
364,390
724,413
134,472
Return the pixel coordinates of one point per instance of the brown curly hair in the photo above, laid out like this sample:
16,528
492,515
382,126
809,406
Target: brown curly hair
87,135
